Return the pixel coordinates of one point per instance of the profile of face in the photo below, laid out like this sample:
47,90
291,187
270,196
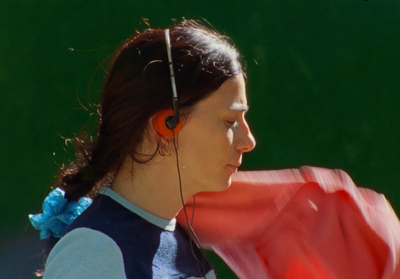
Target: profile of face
213,140
211,88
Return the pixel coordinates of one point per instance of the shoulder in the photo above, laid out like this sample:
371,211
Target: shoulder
106,215
128,230
85,253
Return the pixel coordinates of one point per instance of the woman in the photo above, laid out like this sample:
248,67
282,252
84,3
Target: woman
157,147
144,166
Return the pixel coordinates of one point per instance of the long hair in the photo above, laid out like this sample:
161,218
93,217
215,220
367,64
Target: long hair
137,86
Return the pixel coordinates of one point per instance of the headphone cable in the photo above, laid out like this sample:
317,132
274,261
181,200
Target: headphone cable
190,224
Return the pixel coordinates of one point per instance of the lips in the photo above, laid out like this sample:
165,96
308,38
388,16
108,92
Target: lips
234,166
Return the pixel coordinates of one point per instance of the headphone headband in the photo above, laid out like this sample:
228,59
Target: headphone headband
172,121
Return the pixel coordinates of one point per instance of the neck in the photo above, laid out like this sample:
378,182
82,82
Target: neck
152,187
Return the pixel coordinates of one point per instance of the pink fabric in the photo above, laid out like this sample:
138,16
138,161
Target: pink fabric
299,223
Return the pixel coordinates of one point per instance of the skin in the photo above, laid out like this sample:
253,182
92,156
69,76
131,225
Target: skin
210,149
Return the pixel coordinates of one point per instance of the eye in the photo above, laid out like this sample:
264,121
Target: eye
233,123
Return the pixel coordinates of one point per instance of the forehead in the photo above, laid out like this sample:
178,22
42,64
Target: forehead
231,96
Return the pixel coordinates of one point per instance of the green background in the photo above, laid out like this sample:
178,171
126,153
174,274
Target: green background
323,89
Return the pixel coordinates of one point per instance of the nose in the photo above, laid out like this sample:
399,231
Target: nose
245,141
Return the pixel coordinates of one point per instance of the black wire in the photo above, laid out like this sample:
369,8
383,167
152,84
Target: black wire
194,204
201,263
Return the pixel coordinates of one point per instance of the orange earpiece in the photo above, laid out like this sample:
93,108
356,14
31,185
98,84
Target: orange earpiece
160,123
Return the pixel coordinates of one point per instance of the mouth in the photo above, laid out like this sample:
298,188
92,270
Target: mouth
234,167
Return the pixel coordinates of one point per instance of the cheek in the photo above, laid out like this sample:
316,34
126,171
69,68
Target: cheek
205,140
192,144
224,137
218,138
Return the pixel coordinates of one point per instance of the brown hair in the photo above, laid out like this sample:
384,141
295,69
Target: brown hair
137,86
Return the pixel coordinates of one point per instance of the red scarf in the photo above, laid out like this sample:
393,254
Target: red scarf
299,223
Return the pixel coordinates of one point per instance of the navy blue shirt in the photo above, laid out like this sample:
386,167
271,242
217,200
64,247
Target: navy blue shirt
151,247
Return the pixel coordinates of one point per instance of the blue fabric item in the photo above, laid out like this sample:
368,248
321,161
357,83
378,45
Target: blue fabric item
85,254
57,214
151,247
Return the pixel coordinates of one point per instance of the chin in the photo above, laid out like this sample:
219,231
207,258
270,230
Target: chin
222,186
216,185
229,182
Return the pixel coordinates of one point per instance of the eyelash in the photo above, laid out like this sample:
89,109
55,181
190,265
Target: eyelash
233,123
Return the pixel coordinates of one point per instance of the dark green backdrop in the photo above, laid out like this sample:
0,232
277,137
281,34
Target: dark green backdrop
323,86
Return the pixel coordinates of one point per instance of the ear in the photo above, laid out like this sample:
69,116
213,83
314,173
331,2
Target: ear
160,124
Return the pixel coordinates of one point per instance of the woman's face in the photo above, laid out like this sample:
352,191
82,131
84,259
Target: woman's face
211,143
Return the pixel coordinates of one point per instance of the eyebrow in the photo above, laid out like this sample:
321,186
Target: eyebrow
239,107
